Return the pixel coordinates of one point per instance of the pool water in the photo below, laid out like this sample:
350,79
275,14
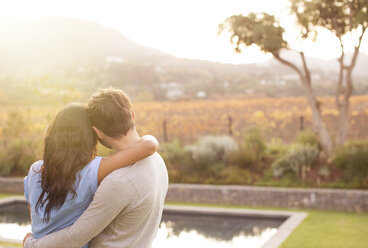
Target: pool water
181,230
177,229
14,222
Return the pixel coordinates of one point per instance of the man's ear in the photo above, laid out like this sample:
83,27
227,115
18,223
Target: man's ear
98,132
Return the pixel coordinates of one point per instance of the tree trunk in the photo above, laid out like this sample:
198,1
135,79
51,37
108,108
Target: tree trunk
346,93
343,122
318,123
344,104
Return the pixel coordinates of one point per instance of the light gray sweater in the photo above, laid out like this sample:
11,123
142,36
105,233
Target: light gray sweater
125,212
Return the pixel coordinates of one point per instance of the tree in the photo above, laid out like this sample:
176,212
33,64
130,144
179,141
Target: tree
340,17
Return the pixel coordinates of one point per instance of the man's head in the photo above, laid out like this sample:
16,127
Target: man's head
110,111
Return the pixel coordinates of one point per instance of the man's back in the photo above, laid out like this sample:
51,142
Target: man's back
144,186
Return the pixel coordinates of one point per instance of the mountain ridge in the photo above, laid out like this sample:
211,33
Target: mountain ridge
92,54
118,44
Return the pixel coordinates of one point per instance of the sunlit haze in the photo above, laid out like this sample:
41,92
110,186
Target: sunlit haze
186,29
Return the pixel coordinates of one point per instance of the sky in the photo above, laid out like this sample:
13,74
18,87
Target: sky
183,28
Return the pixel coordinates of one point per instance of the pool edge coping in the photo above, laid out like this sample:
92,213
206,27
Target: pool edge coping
293,219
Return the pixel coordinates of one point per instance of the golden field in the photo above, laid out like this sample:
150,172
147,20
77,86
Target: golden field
188,120
279,117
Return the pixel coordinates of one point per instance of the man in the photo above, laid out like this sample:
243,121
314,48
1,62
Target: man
127,207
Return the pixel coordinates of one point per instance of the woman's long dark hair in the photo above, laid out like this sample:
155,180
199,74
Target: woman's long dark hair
70,144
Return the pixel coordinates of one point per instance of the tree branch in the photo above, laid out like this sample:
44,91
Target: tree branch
356,50
288,63
341,75
350,68
306,70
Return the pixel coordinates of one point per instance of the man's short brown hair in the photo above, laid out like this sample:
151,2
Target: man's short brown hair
110,111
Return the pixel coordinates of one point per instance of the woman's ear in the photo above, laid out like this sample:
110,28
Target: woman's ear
133,114
98,132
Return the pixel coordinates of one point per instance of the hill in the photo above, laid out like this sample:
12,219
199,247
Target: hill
43,45
88,55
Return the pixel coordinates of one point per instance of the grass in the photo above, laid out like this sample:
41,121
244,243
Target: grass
330,229
322,229
10,245
7,195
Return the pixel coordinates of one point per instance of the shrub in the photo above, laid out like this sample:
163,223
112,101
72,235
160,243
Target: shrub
307,137
235,175
243,158
353,160
324,171
254,141
174,176
210,153
276,149
298,159
17,156
172,152
18,147
252,151
213,149
178,159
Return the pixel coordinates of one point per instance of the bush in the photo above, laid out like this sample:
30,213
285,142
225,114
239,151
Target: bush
235,175
353,160
203,161
177,159
276,149
307,137
18,147
172,153
255,142
252,150
17,156
243,158
212,149
298,159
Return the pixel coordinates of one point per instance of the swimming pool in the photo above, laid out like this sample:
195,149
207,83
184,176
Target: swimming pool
180,226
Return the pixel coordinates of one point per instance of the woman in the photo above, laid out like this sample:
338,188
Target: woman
61,186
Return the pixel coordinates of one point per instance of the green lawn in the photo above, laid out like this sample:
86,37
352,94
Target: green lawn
330,229
321,229
7,195
10,245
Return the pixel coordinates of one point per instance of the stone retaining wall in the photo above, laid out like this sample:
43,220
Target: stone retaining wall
324,199
13,185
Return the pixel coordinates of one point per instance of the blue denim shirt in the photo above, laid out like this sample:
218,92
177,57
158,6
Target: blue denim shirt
85,187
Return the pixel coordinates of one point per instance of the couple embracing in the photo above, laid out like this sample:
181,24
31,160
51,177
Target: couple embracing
77,199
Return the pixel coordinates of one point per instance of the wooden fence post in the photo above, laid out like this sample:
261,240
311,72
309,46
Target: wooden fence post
164,128
230,123
301,123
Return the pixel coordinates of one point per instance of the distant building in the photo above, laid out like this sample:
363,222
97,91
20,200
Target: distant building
293,76
115,59
174,90
201,94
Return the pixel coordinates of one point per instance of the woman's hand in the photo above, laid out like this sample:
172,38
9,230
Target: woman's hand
26,237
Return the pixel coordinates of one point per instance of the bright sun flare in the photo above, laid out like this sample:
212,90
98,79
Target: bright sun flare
186,29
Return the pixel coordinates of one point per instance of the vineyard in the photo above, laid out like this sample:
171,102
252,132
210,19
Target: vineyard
271,123
280,118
